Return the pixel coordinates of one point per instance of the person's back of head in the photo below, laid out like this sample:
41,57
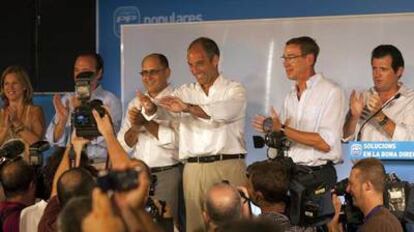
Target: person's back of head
74,182
268,182
71,216
222,204
17,178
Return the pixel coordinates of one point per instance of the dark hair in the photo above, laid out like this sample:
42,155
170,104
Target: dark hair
23,78
161,58
99,63
16,177
74,182
209,46
271,178
221,212
71,217
389,50
371,170
307,46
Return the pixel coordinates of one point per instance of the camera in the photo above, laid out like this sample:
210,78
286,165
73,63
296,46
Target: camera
350,216
82,117
11,149
36,150
118,180
277,142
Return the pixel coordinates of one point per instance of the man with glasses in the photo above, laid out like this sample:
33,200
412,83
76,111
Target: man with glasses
154,141
313,111
211,114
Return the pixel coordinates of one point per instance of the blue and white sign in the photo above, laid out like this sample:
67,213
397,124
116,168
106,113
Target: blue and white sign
381,150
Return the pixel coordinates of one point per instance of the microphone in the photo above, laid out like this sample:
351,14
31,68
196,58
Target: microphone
398,95
12,149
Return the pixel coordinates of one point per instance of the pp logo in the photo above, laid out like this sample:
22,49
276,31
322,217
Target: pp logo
356,150
125,15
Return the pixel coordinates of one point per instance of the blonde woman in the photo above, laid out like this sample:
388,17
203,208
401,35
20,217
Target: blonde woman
19,118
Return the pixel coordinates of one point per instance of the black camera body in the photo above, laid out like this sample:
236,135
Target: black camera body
83,120
119,180
82,117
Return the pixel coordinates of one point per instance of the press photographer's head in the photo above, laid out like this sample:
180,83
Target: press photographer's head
17,178
366,183
268,183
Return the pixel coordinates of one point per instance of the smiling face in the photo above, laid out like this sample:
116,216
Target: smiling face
13,88
355,187
383,75
296,64
203,68
154,75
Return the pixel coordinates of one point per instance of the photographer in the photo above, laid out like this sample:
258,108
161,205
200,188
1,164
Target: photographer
132,202
222,205
366,186
17,178
267,186
58,130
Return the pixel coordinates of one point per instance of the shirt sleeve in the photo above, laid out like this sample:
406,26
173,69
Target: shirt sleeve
330,128
231,108
62,141
115,108
404,131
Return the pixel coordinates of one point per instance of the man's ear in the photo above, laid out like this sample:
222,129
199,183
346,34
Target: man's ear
399,72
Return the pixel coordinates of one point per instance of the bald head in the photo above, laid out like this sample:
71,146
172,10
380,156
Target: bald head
74,182
223,204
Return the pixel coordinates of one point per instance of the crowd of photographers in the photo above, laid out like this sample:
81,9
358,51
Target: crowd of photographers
108,176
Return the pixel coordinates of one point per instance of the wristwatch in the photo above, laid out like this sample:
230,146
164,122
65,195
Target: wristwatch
383,121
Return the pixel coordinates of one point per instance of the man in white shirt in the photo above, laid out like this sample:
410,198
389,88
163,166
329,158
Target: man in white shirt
395,121
211,114
313,111
58,131
154,142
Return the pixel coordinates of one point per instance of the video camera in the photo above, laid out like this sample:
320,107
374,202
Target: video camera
310,202
277,142
82,117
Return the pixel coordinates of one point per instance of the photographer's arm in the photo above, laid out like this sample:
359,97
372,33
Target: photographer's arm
334,225
63,166
117,154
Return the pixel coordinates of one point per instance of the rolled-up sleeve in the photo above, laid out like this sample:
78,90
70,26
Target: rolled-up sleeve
229,109
331,122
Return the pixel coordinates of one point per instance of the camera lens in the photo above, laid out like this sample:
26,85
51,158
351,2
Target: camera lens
81,120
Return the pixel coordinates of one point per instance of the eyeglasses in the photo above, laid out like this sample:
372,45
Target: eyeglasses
291,58
151,72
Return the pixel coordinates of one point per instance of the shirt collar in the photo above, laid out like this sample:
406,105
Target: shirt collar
403,90
311,82
216,83
98,91
165,92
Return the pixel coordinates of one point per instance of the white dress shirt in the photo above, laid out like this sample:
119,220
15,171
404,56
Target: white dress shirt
97,148
321,109
154,152
400,111
31,215
223,133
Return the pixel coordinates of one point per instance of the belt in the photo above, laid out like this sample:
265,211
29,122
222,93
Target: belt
213,158
164,168
320,167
